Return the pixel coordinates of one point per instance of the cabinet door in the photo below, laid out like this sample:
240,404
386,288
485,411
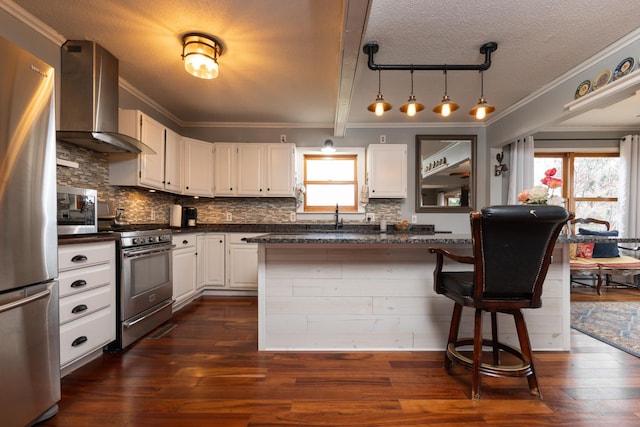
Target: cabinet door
201,261
214,266
242,268
250,167
280,170
198,168
152,165
224,169
184,267
387,170
173,162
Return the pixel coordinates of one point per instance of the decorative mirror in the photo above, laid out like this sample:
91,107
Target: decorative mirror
445,173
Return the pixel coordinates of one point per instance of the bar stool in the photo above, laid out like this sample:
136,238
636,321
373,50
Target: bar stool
512,248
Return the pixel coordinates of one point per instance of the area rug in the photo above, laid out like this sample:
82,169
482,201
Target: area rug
614,323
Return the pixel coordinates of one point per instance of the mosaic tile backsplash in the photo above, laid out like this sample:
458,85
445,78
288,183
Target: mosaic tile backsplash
144,207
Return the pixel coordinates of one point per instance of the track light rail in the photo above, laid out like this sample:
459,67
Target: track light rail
372,48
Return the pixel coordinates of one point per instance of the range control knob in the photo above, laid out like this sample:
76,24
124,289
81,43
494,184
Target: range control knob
135,241
151,239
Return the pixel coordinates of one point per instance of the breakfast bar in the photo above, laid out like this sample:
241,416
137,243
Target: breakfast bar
372,291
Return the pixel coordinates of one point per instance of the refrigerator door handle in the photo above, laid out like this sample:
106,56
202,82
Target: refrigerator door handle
24,301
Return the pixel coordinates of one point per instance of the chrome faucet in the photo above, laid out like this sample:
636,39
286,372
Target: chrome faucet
337,224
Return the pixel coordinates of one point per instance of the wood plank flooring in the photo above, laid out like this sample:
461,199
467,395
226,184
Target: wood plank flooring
207,372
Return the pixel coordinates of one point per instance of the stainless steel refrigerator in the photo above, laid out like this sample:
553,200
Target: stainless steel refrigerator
29,324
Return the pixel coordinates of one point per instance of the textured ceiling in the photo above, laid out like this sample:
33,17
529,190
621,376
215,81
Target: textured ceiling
300,62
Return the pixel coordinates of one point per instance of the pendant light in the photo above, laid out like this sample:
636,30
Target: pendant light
380,105
412,106
482,108
446,106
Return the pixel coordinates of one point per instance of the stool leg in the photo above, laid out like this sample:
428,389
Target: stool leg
525,348
494,337
477,355
453,332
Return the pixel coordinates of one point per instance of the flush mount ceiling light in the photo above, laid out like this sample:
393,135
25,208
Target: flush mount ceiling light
379,106
412,106
482,108
486,49
200,54
328,147
446,106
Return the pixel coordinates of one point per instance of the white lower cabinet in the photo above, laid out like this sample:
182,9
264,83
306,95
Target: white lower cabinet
87,300
184,268
213,267
242,262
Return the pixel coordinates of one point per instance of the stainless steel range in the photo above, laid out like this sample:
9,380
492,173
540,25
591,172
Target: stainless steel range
144,283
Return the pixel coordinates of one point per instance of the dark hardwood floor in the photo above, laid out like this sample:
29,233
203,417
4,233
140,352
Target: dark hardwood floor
207,372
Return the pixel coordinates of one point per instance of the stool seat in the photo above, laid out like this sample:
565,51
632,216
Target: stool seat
512,247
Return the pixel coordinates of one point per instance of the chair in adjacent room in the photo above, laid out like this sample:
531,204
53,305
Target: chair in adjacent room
511,253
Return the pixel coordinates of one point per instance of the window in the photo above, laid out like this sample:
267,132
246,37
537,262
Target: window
330,181
590,182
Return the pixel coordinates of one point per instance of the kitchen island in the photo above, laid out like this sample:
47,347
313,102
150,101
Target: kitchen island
351,291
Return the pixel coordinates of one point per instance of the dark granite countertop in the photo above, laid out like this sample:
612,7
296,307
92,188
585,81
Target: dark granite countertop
76,239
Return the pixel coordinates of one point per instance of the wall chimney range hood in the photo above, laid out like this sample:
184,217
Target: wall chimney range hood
89,100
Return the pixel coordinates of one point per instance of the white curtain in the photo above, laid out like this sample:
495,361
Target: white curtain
628,199
520,168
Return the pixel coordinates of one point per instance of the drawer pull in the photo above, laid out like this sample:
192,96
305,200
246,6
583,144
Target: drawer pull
79,258
80,340
185,242
79,308
79,283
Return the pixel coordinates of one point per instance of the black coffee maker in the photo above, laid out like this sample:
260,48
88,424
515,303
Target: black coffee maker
189,217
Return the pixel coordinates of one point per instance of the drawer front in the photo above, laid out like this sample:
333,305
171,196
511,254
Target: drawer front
182,241
78,256
82,304
84,335
74,281
237,237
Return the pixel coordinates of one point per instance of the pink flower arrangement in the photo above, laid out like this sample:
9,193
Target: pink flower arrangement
539,195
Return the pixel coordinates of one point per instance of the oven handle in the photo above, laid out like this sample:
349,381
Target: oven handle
130,323
147,252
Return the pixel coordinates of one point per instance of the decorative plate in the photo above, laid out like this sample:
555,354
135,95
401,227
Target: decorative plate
624,68
583,88
602,79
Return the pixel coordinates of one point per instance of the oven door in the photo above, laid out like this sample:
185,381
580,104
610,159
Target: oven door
145,279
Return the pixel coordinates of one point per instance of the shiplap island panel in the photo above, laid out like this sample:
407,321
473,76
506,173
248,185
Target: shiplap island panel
339,293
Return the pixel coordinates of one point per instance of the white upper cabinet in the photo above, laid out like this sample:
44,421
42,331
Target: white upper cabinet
254,169
280,170
198,168
387,170
225,169
250,164
161,171
173,162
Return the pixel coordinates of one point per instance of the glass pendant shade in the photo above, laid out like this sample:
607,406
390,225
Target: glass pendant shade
200,54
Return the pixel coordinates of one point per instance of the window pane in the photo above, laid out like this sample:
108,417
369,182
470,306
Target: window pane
607,211
542,164
329,195
330,170
596,177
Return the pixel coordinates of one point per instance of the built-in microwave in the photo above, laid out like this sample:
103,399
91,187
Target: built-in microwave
77,210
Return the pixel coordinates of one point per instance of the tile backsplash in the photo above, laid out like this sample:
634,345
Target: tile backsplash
144,207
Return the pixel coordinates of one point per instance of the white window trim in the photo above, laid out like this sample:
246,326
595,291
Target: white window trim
360,152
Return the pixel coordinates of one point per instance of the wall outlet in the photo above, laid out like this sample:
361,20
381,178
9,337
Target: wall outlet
370,217
283,138
383,139
292,217
414,219
229,216
153,214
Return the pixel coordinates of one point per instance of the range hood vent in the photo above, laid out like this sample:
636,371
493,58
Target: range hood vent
89,100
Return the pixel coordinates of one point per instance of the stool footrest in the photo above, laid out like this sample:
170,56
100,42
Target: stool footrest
522,370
